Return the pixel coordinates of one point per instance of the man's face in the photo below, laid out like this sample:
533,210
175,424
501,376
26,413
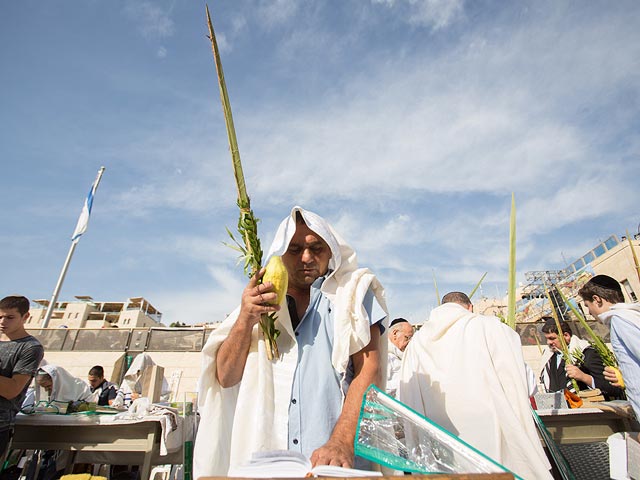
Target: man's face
45,382
401,336
94,381
554,342
596,306
11,321
307,257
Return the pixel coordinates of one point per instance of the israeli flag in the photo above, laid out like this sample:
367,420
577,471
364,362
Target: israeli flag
83,220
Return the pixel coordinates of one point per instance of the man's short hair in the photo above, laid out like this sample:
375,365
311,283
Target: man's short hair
457,297
397,323
96,371
551,327
18,302
603,286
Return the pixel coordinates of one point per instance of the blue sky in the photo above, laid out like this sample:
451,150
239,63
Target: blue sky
406,123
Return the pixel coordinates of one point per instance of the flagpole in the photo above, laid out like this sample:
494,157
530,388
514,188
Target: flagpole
74,243
56,291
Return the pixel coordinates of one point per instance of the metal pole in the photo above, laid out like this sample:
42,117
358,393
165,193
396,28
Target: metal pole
56,291
74,242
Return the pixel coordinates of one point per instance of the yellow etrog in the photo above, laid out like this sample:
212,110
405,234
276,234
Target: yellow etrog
276,273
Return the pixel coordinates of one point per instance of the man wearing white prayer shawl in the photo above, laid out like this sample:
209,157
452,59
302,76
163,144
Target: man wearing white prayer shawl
308,399
61,385
400,333
134,379
466,373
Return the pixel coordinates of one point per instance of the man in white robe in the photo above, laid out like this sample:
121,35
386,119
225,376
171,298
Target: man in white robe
466,372
400,333
248,403
134,379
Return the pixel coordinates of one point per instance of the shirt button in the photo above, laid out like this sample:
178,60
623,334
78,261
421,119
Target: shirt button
295,441
294,401
297,334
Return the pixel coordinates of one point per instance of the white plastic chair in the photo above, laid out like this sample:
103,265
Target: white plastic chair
161,472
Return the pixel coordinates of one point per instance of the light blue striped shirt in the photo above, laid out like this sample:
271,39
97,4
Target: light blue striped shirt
317,393
625,340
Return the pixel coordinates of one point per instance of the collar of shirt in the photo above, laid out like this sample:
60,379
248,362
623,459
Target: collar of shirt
291,303
558,358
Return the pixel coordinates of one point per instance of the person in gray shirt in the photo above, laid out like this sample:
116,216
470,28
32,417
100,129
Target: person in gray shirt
20,356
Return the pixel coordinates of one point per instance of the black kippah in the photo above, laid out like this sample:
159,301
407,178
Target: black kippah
605,281
398,320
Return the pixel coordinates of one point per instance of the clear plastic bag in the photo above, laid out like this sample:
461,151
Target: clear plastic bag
393,435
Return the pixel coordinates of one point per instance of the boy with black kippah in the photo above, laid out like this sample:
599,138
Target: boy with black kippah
603,297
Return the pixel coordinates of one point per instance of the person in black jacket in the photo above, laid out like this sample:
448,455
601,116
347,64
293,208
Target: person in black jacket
589,373
97,382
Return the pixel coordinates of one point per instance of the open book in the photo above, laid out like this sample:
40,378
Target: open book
287,464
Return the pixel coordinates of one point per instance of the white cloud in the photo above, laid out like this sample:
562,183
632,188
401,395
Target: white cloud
153,21
436,14
445,126
224,46
210,299
411,150
481,117
239,24
276,12
190,194
204,305
375,239
581,199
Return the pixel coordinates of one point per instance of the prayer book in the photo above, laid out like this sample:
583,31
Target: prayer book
104,409
594,395
288,464
598,398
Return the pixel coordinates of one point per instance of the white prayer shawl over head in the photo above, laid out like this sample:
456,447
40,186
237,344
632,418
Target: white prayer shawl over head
466,372
253,415
66,387
317,224
135,376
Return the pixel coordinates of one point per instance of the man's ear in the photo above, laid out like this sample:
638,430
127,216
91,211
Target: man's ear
25,317
597,299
